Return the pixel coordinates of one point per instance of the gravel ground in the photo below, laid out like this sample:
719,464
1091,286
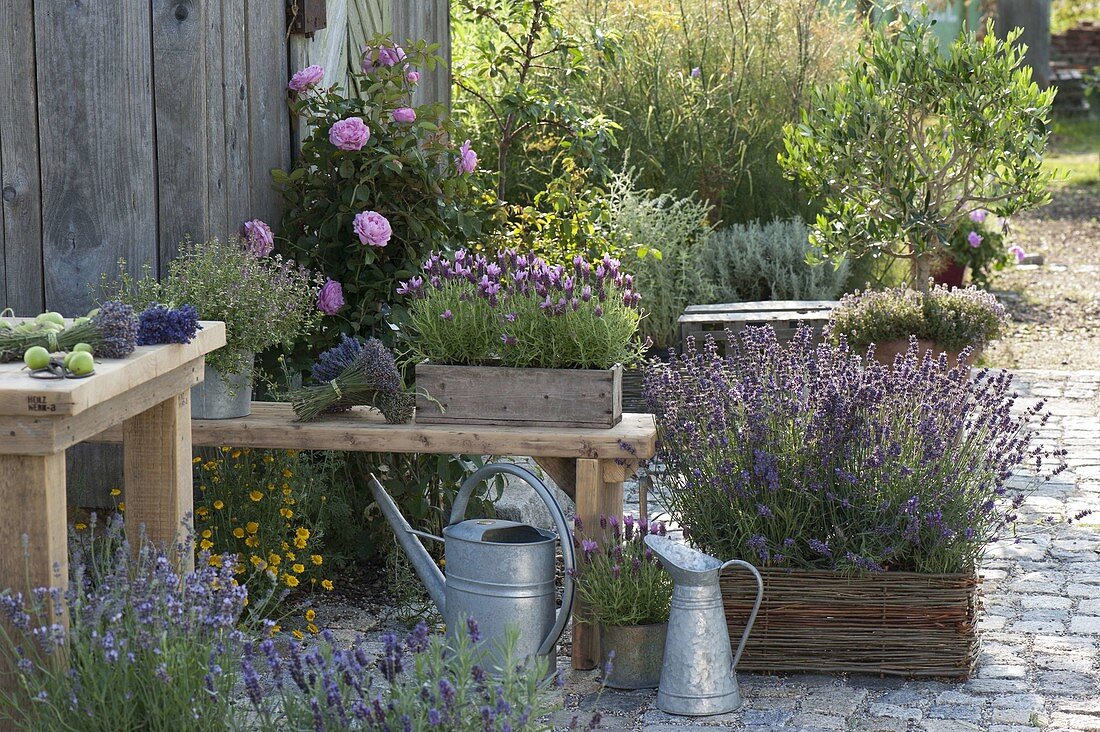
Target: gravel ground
1055,306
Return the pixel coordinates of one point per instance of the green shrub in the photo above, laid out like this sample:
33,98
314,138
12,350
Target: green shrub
752,262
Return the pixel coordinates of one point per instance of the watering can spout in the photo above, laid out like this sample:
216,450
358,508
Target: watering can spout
409,539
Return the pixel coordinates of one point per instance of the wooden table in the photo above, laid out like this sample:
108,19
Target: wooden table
147,397
588,464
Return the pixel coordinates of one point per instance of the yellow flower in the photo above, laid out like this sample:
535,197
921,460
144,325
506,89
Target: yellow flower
215,560
219,505
116,492
235,454
291,556
275,629
291,580
207,533
327,584
270,486
209,465
298,634
205,544
286,490
252,527
268,459
292,452
300,543
256,560
302,532
122,505
80,526
287,473
246,596
316,559
252,542
298,568
311,615
286,513
238,532
226,448
215,480
255,495
274,559
313,628
197,459
202,511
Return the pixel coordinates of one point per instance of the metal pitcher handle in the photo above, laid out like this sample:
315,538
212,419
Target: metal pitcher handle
755,607
458,513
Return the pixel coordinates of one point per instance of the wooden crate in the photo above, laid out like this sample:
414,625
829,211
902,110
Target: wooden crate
896,623
786,316
497,395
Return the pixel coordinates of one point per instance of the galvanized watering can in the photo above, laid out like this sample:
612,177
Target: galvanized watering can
698,677
500,573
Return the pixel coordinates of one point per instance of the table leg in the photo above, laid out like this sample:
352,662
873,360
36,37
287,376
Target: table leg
157,476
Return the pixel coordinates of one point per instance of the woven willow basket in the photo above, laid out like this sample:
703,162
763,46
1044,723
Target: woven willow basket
895,623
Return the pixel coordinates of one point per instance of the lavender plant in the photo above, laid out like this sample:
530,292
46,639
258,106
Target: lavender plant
807,456
146,648
517,310
620,579
950,317
421,683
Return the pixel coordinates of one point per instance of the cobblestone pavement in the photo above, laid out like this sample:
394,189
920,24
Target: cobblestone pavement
1040,661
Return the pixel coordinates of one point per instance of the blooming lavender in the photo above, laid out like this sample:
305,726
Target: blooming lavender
160,324
518,310
803,455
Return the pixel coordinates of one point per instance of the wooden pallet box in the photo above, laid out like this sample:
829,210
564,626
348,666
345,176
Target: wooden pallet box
785,316
499,395
892,623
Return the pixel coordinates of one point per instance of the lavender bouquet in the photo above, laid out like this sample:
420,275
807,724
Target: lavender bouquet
111,329
351,373
517,310
796,455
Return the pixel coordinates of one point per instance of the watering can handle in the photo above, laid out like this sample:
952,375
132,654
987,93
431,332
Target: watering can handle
458,513
755,607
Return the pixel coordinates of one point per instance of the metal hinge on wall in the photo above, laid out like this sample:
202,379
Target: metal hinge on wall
305,16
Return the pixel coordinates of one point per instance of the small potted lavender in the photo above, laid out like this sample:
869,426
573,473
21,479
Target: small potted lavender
627,592
513,340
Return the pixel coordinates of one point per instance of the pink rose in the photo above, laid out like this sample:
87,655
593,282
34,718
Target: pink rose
413,77
258,238
382,56
467,159
978,215
974,239
349,134
307,78
1017,251
404,114
331,297
373,228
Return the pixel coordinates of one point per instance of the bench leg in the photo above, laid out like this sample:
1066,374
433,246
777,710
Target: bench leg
157,476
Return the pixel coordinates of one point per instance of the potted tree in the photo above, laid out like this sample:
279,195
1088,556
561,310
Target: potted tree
912,140
628,593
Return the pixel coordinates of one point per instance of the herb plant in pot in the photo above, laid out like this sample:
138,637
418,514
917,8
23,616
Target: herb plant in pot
266,301
513,340
628,593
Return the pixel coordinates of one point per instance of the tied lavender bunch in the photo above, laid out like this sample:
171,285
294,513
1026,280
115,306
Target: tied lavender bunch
355,372
517,310
422,682
809,456
111,329
620,579
159,324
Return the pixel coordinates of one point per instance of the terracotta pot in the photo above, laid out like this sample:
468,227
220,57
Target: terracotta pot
887,350
950,273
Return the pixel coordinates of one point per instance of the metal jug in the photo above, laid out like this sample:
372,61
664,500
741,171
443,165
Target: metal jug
698,677
500,573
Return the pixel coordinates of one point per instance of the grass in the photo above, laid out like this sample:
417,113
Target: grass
1075,152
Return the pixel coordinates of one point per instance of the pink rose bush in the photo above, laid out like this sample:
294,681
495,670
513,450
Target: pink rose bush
307,78
384,55
258,238
331,297
373,228
349,134
467,159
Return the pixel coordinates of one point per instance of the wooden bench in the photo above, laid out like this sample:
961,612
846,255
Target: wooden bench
786,316
589,464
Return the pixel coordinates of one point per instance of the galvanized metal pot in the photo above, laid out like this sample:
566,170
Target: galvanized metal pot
218,398
639,651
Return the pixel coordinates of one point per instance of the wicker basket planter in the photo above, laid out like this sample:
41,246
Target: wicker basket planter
895,623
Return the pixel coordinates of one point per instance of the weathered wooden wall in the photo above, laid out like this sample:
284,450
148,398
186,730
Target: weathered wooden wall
127,126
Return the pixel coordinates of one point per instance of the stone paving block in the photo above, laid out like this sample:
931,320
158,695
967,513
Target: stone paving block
693,726
1065,662
880,724
839,700
769,718
1046,602
1036,627
996,686
1013,728
962,712
1089,624
958,697
1082,589
908,696
610,701
1065,644
950,725
1016,716
898,712
1002,671
1067,683
814,721
1076,722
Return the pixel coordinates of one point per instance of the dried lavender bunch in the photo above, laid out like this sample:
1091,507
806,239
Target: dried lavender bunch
159,324
355,372
802,455
111,331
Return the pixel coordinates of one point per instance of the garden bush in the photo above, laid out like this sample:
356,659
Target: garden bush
807,456
752,262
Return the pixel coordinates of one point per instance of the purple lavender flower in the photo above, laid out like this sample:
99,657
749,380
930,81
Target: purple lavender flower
159,324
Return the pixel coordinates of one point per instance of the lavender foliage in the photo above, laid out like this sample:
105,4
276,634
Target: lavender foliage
802,455
159,324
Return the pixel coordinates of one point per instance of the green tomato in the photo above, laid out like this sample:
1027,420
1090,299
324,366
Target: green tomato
36,357
5,324
84,347
50,317
51,326
81,320
68,357
81,363
93,312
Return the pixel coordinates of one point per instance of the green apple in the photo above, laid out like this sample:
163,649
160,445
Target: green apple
36,357
81,363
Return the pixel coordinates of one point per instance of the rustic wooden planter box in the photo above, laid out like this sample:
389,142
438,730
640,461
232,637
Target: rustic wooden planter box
498,395
895,623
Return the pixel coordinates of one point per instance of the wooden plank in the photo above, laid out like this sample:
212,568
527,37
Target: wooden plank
22,395
20,184
179,94
586,638
329,49
37,435
762,306
96,136
751,318
238,167
32,491
213,121
428,20
518,396
269,117
362,429
157,477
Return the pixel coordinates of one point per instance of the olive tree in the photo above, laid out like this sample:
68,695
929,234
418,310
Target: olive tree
911,139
